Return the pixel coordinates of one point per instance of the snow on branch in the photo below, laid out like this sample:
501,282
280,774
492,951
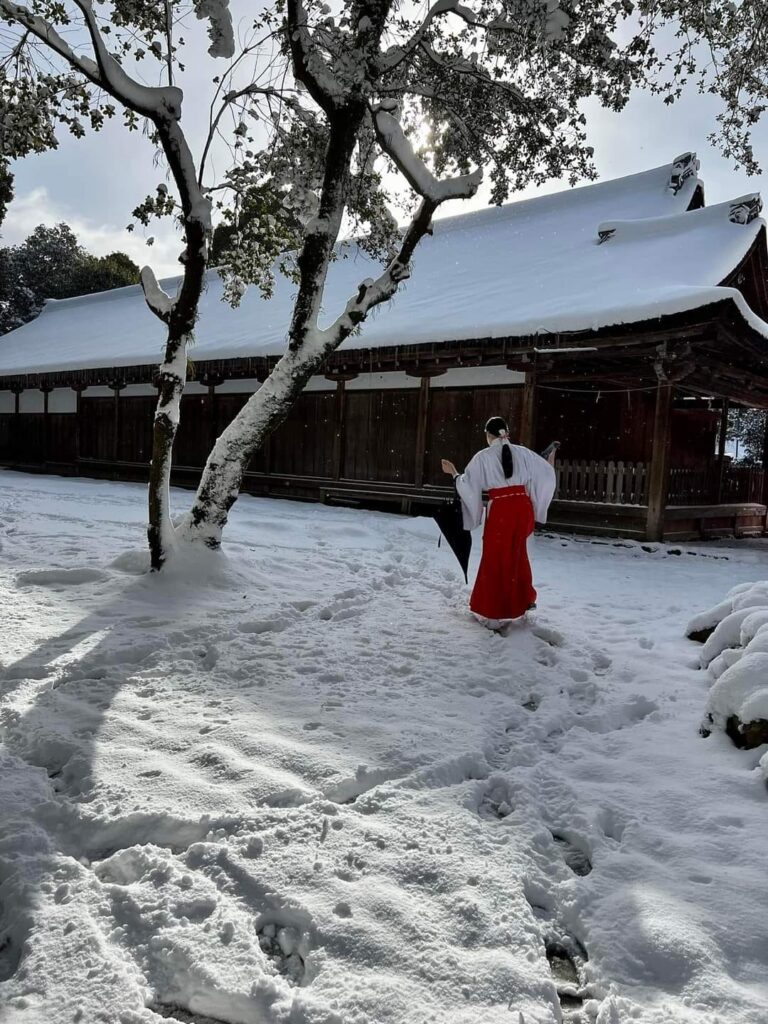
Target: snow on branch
220,30
393,141
396,54
147,100
158,300
370,292
47,33
309,68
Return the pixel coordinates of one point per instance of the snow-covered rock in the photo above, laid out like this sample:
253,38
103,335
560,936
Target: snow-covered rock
738,701
736,655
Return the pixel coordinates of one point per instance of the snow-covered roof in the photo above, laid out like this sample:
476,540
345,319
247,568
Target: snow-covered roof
529,267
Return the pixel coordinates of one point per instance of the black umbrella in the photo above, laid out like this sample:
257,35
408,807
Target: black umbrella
451,522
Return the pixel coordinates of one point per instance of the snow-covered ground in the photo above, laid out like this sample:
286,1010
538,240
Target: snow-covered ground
301,786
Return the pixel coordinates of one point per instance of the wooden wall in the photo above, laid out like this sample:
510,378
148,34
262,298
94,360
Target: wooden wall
380,432
379,439
456,421
620,425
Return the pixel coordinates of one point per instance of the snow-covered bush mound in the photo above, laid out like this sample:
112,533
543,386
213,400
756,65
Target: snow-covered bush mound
735,652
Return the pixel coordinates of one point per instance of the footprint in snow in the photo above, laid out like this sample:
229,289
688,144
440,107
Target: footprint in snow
612,823
565,954
600,662
59,577
286,946
208,656
622,716
495,801
259,626
550,636
566,957
574,856
10,957
173,1012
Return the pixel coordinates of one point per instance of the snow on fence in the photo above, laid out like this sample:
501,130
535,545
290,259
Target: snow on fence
613,483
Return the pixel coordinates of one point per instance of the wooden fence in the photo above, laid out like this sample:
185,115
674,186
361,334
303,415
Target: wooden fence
626,483
740,484
613,483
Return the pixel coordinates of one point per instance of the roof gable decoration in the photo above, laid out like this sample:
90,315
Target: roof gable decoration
740,211
683,167
745,209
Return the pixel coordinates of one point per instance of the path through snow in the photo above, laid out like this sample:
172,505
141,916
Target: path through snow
310,789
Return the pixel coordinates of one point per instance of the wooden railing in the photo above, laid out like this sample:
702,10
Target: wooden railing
611,482
626,483
740,484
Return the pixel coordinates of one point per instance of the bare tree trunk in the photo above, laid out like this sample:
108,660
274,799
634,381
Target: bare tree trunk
223,474
269,406
172,377
180,314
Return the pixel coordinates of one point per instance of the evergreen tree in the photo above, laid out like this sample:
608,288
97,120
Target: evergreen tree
51,264
747,428
6,189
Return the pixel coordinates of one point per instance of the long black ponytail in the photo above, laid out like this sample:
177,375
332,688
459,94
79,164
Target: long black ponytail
497,427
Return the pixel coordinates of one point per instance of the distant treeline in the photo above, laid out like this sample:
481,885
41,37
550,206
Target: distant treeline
51,264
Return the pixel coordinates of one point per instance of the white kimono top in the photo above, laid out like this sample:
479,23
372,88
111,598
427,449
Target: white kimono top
484,471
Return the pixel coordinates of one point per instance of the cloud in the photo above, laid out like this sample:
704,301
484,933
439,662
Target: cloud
37,206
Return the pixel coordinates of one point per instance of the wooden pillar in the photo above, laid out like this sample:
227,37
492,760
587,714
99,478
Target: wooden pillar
422,420
117,387
46,389
422,423
211,381
721,450
16,429
210,408
658,476
765,466
339,436
78,389
340,413
528,412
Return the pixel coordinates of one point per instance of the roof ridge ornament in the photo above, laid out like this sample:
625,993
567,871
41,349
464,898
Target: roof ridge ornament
683,167
745,209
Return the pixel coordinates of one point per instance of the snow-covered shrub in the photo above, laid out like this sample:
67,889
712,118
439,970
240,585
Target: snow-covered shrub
735,653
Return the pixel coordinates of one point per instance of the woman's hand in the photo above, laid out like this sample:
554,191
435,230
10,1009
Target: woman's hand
448,467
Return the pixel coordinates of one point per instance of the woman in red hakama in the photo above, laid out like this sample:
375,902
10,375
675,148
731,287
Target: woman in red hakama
520,485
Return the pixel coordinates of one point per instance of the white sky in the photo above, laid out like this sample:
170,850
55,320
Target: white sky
95,183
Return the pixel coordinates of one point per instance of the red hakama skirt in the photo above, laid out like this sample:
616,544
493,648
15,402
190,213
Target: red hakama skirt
504,585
